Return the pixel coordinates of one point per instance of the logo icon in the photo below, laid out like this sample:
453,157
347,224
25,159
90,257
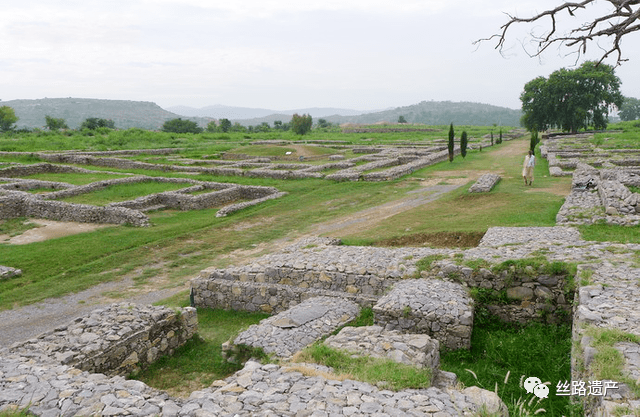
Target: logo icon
535,386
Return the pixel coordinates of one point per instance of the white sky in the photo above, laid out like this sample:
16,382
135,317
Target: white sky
276,54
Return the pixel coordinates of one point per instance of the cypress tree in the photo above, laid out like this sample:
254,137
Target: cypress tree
451,145
463,143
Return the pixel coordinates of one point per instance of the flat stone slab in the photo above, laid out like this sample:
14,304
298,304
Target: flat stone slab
418,350
441,309
485,183
292,330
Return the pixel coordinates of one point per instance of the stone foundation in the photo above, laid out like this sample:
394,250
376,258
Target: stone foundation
440,309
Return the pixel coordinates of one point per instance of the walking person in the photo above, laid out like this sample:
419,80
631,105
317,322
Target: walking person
527,168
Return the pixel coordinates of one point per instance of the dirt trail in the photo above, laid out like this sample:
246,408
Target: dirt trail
27,322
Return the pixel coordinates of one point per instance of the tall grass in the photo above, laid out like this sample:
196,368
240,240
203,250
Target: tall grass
499,349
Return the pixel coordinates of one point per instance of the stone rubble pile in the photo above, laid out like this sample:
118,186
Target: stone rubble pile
7,272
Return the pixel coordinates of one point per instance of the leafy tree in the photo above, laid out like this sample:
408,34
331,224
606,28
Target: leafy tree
630,109
262,127
610,25
571,99
225,125
212,127
451,143
278,125
323,124
55,124
7,118
237,127
463,143
92,123
401,119
301,124
181,126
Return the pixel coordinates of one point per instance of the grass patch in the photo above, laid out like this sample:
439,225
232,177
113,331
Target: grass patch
610,233
200,362
608,362
390,374
15,227
123,192
503,355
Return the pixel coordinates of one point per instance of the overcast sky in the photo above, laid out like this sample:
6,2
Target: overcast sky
276,54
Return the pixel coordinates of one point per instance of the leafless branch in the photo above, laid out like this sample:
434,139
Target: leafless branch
621,21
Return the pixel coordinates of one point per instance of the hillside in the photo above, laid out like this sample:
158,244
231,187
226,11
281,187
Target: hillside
74,111
239,113
426,112
148,115
442,113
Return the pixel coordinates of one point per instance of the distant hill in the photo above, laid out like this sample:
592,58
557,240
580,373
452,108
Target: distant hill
442,113
426,112
239,113
74,111
148,115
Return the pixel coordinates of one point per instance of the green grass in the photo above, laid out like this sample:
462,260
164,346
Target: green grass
503,355
608,362
74,178
17,226
610,233
395,375
509,204
200,361
123,192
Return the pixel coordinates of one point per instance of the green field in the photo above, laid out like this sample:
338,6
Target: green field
179,244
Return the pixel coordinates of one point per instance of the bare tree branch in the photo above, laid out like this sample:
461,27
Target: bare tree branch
621,21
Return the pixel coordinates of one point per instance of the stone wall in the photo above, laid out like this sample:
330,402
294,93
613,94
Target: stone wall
213,194
515,295
20,204
115,340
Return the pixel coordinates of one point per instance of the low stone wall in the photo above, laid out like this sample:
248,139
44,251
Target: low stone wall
20,204
260,296
115,340
485,183
601,196
519,296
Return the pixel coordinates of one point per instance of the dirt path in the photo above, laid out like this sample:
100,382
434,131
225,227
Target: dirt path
27,322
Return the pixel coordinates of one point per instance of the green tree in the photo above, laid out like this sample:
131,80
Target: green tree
534,140
181,126
225,125
630,109
92,123
55,124
212,127
323,124
401,119
451,143
7,118
463,143
571,99
301,124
